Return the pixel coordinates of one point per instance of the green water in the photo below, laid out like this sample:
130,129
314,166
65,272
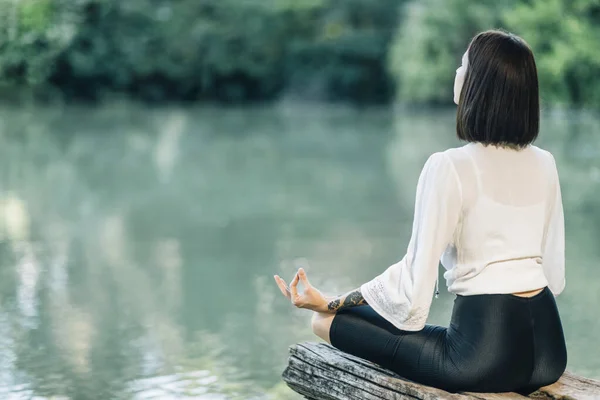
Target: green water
138,245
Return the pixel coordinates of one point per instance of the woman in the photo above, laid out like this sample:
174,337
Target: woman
492,212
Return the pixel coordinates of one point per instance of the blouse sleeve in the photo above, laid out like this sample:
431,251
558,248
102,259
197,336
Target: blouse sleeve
553,256
403,293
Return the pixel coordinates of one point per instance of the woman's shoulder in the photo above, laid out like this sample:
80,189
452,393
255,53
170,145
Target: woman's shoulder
469,152
547,155
442,163
452,155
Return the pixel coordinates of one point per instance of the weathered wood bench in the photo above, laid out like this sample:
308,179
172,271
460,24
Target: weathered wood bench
319,371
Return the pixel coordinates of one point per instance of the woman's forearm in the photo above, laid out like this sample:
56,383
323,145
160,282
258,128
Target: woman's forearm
351,299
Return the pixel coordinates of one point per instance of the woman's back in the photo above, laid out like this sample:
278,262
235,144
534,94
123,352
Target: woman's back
509,236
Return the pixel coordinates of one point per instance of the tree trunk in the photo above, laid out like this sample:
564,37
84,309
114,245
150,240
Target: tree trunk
321,372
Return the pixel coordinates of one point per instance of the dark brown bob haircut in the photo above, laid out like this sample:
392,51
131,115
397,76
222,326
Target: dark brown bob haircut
499,102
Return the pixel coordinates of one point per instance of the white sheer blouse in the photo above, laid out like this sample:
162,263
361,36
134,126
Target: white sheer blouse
494,218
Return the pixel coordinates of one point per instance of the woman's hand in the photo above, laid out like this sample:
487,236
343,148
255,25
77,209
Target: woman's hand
311,298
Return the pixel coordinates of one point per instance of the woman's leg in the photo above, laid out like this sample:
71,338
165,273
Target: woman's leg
321,322
420,356
494,343
321,325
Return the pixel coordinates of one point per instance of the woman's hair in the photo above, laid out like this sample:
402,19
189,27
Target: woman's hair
499,101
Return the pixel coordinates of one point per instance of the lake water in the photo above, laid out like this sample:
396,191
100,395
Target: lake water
138,245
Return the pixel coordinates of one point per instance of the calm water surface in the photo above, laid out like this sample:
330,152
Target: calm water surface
137,246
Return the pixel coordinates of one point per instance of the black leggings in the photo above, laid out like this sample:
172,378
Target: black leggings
495,343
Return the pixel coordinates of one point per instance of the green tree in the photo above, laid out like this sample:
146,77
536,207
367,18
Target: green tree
226,50
32,34
429,44
346,56
564,35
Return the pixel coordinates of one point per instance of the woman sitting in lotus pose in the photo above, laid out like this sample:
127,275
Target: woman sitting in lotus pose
492,212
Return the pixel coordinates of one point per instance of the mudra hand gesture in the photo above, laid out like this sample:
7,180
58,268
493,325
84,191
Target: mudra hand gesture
313,299
310,298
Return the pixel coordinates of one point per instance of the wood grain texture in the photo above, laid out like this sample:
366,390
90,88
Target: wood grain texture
319,371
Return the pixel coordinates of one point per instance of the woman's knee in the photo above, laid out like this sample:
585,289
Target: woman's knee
321,325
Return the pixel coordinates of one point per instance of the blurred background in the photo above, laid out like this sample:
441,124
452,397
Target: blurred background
161,160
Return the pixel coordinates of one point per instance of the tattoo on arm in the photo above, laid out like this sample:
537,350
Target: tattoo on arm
352,299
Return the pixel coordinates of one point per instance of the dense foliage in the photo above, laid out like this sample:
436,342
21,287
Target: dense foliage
564,35
226,50
230,50
429,45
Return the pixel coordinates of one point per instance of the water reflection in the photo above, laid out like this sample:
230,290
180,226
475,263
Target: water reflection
138,245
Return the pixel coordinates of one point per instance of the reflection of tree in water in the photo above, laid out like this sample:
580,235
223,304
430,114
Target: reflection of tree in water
70,334
82,339
81,349
239,209
108,296
8,282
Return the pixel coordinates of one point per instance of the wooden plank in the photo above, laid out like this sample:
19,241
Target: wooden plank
319,371
571,386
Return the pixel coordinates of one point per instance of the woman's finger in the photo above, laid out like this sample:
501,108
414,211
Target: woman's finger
282,286
285,287
294,287
304,278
